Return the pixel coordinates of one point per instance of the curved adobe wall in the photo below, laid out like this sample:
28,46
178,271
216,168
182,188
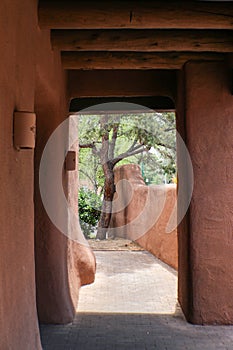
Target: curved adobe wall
145,213
31,75
62,266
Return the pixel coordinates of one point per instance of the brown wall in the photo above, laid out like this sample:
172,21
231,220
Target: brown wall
18,317
157,240
209,128
140,217
31,79
51,106
184,276
62,266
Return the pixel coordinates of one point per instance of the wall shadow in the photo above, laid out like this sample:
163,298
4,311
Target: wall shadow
133,331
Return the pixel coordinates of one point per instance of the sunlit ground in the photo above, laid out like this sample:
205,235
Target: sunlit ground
133,282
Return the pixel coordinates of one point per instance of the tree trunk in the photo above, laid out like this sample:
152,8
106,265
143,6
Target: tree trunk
106,211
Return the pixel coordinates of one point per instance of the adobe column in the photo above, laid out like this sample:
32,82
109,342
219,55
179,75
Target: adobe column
209,136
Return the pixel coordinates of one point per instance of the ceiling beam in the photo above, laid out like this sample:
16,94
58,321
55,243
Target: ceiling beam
135,15
102,83
143,40
131,60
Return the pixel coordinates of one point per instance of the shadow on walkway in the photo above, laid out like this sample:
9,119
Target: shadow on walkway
105,331
134,309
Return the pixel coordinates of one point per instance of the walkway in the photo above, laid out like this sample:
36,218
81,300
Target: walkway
132,305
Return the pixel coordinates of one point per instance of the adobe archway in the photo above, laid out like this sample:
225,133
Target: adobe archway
203,97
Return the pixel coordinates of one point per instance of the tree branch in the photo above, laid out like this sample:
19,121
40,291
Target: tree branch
134,143
170,129
87,145
165,146
92,146
132,148
166,154
128,154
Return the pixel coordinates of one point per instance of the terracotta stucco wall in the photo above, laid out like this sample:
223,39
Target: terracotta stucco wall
51,247
209,130
142,213
31,79
62,266
18,316
184,276
157,240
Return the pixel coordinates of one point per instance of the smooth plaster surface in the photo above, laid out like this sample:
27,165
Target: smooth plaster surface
32,80
145,213
209,130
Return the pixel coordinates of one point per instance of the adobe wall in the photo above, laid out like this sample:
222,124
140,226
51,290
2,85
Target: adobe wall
31,79
18,316
184,264
209,130
142,213
157,240
62,266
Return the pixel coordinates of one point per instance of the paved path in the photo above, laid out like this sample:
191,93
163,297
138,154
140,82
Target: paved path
132,305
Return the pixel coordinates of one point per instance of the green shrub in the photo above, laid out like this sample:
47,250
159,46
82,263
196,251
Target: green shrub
89,211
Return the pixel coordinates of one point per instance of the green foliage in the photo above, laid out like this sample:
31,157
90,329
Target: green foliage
154,132
157,131
90,169
89,211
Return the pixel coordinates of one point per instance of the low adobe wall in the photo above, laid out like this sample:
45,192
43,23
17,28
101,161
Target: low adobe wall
142,213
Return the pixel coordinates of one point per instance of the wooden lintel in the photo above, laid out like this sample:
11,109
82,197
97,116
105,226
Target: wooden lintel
143,40
96,104
132,60
135,14
102,83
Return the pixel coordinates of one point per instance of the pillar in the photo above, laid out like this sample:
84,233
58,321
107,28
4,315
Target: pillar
206,238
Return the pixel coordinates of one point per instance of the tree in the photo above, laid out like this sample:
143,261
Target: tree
113,138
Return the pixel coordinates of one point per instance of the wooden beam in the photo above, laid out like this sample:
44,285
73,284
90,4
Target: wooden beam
135,15
102,83
131,60
151,102
143,40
